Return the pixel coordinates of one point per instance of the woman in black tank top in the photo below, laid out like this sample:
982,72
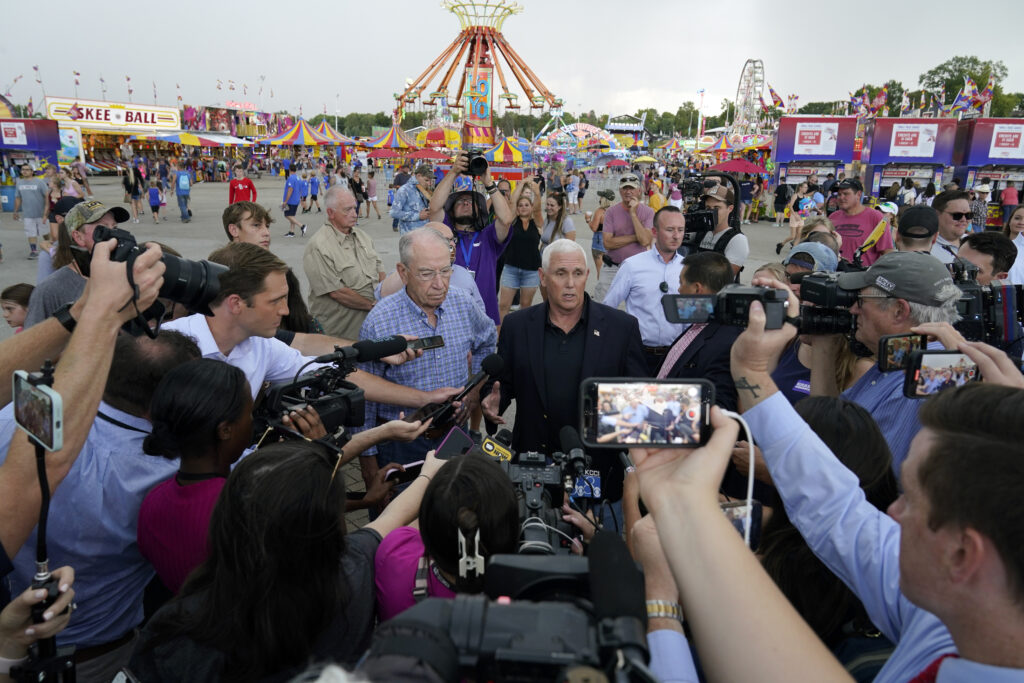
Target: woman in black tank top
522,256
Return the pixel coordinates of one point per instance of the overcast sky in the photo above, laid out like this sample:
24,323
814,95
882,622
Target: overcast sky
612,57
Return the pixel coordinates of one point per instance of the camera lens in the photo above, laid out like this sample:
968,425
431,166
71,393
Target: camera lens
477,165
194,284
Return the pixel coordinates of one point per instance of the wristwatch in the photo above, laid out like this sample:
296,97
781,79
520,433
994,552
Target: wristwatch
663,609
64,317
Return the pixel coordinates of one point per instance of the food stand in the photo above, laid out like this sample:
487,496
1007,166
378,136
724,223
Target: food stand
25,141
899,148
990,151
812,145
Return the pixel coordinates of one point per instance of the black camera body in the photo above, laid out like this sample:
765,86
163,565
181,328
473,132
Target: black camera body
338,402
540,490
477,163
830,312
194,284
732,306
989,314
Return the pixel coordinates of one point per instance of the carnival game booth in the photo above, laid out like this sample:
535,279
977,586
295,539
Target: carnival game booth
812,145
343,142
899,148
98,132
990,151
297,137
393,138
25,141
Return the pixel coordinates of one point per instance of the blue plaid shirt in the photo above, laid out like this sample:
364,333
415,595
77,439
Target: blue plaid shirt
407,205
464,326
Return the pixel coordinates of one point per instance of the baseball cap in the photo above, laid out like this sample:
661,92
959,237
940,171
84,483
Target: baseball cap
720,192
64,204
849,184
911,275
90,212
607,194
919,222
629,180
889,208
813,255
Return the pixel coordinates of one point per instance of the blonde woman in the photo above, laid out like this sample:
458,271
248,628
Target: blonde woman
799,206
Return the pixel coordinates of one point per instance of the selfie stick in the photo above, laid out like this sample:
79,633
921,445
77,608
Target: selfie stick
46,662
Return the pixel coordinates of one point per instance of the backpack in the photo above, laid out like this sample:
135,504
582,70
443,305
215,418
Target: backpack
720,245
183,182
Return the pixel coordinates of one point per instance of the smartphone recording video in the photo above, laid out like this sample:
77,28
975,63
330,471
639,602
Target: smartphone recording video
642,413
929,372
688,308
894,350
38,412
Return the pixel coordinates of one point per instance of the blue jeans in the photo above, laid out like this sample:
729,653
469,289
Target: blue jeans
183,206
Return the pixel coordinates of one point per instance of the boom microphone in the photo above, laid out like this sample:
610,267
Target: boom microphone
366,350
491,366
572,447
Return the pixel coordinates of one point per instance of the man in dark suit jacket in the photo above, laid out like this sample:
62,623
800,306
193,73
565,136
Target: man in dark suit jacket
549,349
703,353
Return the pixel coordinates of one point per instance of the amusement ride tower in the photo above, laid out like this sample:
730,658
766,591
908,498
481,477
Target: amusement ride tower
480,48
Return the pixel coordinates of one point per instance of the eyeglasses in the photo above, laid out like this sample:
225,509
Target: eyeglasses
429,275
861,298
958,216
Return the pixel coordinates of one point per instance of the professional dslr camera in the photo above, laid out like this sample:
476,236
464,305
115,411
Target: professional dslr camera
700,220
730,306
989,314
830,313
193,284
477,163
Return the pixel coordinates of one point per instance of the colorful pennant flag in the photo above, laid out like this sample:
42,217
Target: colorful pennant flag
776,100
31,111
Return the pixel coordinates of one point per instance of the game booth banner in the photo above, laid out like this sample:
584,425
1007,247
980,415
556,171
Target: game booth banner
990,151
899,148
96,132
237,118
812,145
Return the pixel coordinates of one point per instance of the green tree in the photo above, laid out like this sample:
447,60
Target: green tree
952,71
1006,104
818,108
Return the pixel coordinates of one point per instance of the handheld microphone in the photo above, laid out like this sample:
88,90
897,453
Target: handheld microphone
491,366
366,350
572,446
617,590
443,413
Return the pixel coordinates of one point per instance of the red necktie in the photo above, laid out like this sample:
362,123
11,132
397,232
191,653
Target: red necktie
931,671
678,348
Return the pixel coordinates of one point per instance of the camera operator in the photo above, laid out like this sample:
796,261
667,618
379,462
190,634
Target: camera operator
724,239
939,574
549,349
65,285
284,584
954,209
899,291
992,252
92,324
918,229
627,231
18,630
479,244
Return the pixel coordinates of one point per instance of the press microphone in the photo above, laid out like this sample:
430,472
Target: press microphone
617,592
366,350
491,366
572,447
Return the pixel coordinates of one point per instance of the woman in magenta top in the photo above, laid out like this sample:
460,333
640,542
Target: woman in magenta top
471,494
202,414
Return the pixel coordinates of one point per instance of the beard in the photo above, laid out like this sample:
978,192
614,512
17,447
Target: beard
464,220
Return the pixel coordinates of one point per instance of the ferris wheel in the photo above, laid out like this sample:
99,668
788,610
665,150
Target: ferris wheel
748,97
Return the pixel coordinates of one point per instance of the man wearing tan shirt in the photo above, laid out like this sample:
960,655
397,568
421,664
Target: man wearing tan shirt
342,268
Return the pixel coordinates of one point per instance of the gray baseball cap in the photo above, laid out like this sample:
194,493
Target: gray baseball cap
814,256
911,275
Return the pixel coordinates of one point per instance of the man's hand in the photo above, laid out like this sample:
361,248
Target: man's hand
424,214
741,459
667,473
400,430
440,395
461,162
994,365
378,491
757,350
491,405
404,356
107,290
631,205
306,421
945,333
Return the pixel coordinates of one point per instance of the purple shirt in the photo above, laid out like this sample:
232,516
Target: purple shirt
618,223
479,252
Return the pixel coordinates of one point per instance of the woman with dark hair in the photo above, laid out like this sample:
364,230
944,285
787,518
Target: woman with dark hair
134,184
469,504
522,259
1014,229
927,195
284,585
201,414
821,598
557,225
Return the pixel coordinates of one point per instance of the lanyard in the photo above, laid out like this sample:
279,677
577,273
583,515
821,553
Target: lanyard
466,255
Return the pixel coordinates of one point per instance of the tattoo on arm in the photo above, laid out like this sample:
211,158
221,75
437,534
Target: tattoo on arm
742,383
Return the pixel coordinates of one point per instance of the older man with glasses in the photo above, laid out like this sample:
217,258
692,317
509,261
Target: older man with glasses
954,209
628,230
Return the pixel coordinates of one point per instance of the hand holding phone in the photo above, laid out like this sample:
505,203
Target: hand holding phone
929,372
38,411
645,413
425,343
406,475
894,350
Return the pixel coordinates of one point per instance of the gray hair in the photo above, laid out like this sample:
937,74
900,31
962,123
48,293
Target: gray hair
407,243
333,193
946,312
561,246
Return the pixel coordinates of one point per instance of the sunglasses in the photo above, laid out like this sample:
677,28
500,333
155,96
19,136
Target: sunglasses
958,216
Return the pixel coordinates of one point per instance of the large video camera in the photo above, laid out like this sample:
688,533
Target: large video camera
701,220
989,314
541,488
730,306
830,313
193,284
593,628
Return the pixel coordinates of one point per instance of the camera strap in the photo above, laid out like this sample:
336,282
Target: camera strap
118,423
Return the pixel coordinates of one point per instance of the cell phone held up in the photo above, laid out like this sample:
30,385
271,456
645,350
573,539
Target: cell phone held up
894,350
426,343
645,413
929,372
38,411
411,471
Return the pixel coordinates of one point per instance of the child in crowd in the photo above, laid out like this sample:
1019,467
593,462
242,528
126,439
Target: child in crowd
14,301
156,198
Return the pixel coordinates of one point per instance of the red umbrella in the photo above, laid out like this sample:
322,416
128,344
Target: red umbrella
617,162
384,153
429,154
738,166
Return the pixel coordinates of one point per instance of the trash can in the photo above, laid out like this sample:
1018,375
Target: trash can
7,198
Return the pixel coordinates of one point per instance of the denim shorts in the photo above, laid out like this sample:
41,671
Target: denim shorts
517,278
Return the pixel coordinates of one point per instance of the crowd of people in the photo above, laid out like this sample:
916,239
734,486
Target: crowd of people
192,548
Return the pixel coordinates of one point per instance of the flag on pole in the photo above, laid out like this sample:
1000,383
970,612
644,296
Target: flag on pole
231,84
29,109
154,92
128,80
38,77
177,86
986,95
245,89
776,100
77,75
905,104
764,107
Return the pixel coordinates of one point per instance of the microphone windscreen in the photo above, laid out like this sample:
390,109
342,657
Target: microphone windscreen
616,584
375,349
493,365
569,439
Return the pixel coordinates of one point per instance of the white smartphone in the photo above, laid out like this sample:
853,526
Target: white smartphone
39,412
